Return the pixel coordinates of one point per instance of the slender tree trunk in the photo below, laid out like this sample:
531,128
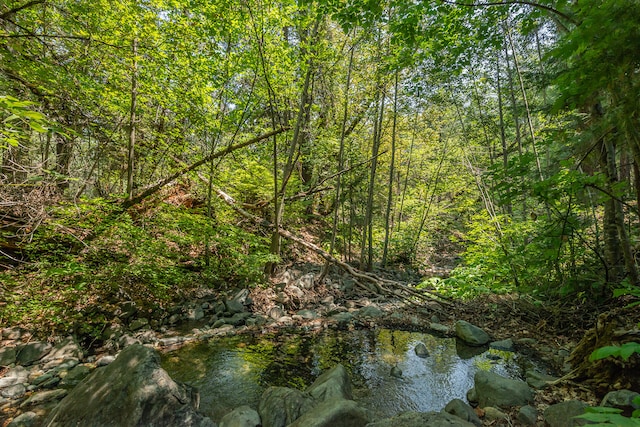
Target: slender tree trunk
503,138
132,120
388,216
516,121
526,105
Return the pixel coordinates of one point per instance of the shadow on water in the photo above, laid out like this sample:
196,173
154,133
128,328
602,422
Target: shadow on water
234,371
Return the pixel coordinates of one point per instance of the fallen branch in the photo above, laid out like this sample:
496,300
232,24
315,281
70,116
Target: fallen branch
370,278
156,187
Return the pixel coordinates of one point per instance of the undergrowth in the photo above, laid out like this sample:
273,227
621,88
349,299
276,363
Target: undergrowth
90,256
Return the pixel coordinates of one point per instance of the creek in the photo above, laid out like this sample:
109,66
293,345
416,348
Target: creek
234,371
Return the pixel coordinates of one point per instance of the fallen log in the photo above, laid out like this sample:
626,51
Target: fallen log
378,283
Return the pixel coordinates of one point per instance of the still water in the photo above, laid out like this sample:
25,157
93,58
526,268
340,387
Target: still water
234,371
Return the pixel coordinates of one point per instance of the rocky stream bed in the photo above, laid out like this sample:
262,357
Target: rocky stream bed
123,383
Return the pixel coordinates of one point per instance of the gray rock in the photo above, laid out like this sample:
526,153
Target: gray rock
621,399
396,372
15,391
528,415
7,356
462,410
422,419
173,319
17,375
438,327
561,414
128,309
43,397
370,311
538,380
504,345
471,334
244,416
31,352
276,312
59,364
68,348
494,414
280,406
26,419
332,384
127,340
527,341
12,333
333,413
237,319
233,306
75,375
308,314
421,350
138,323
342,319
195,313
472,395
131,391
495,390
112,332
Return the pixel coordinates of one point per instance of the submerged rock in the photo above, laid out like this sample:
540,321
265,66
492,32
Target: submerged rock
131,391
421,350
471,334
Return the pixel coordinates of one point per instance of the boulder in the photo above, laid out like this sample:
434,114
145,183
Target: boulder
462,410
15,391
621,399
233,306
538,380
494,414
243,416
68,348
42,397
31,352
528,415
280,406
333,413
17,375
332,384
422,419
7,356
342,319
495,390
561,414
133,390
471,334
370,311
27,419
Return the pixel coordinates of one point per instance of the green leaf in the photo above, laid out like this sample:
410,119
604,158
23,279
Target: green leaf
604,352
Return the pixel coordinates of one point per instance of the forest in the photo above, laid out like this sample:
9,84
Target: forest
151,148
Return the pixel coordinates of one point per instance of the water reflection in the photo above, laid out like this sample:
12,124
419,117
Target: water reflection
230,372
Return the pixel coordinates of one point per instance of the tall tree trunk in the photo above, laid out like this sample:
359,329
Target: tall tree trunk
503,138
366,254
388,216
132,120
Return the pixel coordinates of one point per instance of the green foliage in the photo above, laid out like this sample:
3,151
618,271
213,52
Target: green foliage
625,351
17,119
91,255
604,416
